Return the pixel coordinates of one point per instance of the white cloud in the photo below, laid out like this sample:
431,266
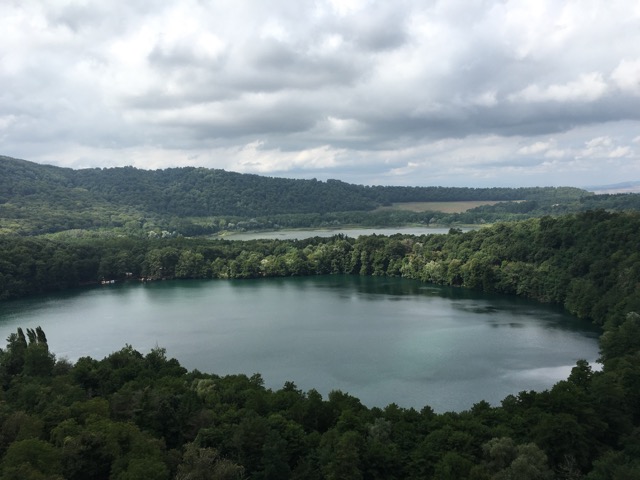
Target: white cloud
408,169
620,152
343,126
555,153
587,88
254,157
604,147
347,7
627,76
599,142
533,29
534,148
485,99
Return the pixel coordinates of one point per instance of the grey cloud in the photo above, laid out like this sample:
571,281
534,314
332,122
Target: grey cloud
183,57
273,122
275,66
388,77
379,30
79,18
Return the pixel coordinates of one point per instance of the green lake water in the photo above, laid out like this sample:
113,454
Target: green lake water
382,340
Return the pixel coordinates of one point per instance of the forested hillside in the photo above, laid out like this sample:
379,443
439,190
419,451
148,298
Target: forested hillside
134,415
572,260
37,199
201,192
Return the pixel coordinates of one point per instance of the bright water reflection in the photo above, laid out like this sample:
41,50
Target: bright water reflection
382,340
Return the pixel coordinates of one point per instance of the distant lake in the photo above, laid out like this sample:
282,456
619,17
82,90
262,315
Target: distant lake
383,340
301,234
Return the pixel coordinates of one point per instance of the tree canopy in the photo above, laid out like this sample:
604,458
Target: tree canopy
142,415
38,199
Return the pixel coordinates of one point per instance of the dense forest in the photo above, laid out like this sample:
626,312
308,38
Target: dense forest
574,260
138,415
199,192
39,199
133,415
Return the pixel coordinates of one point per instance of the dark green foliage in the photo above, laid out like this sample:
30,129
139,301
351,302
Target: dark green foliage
30,358
131,415
31,459
206,464
144,416
587,262
203,192
506,460
38,199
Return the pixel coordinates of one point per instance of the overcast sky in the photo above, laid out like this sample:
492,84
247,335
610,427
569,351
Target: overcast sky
451,92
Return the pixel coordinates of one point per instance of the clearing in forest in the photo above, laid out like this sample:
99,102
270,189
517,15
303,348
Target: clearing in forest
445,207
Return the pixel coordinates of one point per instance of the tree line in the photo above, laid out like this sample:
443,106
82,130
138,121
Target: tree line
200,192
572,260
38,199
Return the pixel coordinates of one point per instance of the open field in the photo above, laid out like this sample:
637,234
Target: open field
445,207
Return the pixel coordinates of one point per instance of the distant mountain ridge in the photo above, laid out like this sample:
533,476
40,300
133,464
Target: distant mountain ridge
191,191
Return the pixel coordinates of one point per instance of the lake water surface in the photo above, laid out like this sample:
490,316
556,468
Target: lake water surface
302,233
382,340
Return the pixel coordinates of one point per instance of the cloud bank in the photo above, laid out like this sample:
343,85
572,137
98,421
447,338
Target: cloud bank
408,92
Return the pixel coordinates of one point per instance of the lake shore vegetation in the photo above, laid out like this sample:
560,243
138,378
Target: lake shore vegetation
134,415
138,415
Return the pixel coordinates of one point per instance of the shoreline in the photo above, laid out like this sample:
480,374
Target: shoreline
289,233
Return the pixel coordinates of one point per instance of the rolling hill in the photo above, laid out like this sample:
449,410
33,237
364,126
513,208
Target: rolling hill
37,199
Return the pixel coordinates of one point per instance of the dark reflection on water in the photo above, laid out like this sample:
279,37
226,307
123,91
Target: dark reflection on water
466,300
381,339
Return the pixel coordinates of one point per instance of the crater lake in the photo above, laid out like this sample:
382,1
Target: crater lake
383,340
